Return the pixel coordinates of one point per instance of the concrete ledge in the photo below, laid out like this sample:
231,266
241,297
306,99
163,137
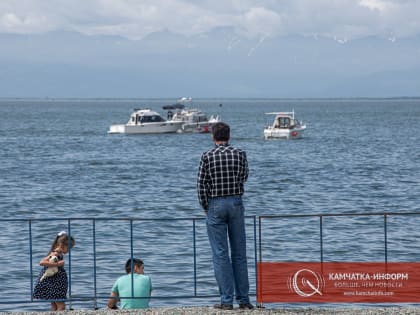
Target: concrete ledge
211,311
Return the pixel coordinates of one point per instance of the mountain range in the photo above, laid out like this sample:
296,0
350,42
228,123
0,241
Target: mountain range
220,63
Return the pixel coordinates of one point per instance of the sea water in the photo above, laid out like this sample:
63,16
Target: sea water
60,169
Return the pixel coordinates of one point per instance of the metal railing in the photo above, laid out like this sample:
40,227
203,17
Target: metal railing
321,219
268,239
90,226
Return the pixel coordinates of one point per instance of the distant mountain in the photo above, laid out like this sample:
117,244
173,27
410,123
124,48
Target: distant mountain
220,63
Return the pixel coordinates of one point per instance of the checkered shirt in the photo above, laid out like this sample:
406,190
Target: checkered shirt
223,171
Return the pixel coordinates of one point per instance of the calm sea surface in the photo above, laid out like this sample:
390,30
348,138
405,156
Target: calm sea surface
59,163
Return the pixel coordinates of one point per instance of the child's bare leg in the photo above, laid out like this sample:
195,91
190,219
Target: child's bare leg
61,306
53,306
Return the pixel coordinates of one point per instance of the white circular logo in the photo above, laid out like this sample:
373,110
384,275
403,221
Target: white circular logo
306,283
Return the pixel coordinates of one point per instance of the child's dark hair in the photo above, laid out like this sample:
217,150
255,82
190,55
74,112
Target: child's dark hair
136,262
62,239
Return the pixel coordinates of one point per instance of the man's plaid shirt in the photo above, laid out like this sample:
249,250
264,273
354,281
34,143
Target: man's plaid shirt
223,171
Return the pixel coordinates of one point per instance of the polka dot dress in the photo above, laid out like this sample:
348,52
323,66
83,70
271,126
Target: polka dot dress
54,287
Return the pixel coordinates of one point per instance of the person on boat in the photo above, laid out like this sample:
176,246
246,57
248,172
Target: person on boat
136,287
222,173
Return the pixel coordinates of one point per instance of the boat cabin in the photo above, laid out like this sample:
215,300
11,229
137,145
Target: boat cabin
145,116
284,122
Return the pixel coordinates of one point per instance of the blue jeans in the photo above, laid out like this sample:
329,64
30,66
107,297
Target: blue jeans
225,218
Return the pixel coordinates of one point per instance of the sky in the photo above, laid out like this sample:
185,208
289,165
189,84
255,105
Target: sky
158,48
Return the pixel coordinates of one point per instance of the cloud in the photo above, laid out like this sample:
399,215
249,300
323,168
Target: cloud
134,19
23,24
380,5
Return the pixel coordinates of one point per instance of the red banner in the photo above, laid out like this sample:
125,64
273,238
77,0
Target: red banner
332,282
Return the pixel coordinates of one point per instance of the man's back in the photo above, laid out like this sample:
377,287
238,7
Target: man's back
142,288
222,172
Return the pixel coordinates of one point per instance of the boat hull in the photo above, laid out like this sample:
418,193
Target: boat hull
199,127
195,128
287,134
147,128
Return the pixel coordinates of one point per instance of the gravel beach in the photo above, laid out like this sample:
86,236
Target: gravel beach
212,311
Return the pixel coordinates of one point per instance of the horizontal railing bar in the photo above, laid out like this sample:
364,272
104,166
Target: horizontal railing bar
203,218
337,214
106,297
103,219
107,219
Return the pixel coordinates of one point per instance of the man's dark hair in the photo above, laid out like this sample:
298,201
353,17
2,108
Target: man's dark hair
136,262
221,131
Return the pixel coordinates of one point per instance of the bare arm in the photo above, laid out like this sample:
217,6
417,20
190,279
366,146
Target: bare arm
112,302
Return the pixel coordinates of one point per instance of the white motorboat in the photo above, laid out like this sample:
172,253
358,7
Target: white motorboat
143,121
193,120
285,126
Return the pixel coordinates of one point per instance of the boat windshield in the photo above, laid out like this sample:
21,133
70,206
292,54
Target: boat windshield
200,118
282,122
152,118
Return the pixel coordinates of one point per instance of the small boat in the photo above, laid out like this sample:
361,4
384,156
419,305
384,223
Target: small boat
193,120
143,121
285,126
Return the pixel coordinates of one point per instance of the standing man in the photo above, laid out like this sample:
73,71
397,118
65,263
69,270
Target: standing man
222,173
136,287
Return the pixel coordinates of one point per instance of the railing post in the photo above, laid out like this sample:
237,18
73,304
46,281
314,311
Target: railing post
258,276
321,239
132,257
69,249
95,306
386,237
30,260
195,259
255,253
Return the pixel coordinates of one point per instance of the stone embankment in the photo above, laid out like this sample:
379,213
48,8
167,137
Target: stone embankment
211,311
